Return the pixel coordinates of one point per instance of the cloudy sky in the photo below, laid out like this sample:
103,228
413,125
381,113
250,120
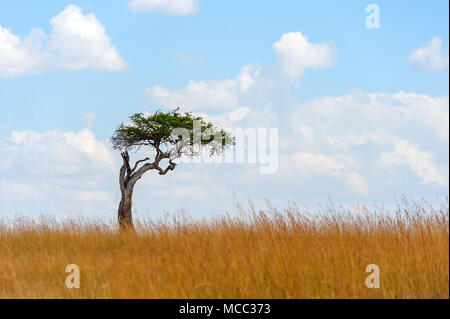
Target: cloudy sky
362,113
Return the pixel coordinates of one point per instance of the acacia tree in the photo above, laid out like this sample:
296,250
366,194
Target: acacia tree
167,136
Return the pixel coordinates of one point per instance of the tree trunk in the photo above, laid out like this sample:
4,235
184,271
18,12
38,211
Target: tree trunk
125,214
127,179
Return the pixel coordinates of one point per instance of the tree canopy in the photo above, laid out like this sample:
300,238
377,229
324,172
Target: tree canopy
171,131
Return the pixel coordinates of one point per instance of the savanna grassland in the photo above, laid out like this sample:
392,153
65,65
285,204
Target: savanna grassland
271,254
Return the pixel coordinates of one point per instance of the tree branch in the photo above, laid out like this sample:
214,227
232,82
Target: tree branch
138,174
134,174
170,167
138,162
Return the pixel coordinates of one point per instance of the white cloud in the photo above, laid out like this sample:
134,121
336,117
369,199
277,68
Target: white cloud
344,139
367,127
168,7
430,57
80,41
307,132
205,95
356,118
77,41
357,183
19,191
57,153
188,183
342,166
65,170
18,56
296,54
421,162
252,84
227,119
198,95
319,163
183,191
88,196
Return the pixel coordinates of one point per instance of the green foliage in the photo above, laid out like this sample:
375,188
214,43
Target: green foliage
161,130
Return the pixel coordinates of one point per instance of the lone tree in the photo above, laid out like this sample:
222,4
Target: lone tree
168,136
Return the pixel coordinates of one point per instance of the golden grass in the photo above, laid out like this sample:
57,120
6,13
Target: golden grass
271,254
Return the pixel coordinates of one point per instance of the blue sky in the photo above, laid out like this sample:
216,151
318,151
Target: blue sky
362,112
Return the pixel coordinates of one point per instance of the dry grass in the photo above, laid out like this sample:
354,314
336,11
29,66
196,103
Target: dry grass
268,254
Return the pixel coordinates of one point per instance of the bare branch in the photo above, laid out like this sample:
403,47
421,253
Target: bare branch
138,174
138,162
170,167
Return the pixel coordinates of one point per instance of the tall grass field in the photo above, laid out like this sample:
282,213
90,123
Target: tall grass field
290,253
